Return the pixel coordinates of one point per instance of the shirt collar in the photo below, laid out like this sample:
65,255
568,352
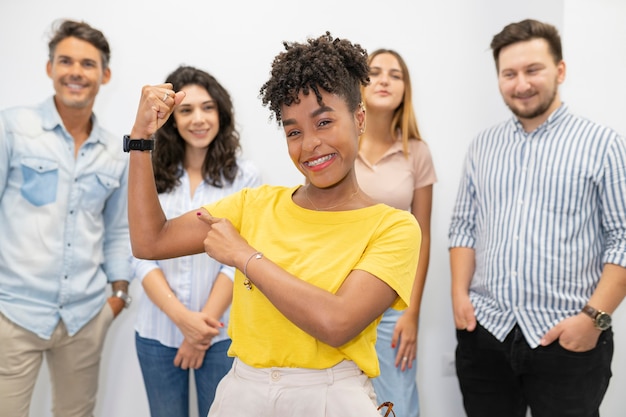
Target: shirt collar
551,122
50,119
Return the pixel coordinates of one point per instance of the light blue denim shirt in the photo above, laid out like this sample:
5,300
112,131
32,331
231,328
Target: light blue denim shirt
63,220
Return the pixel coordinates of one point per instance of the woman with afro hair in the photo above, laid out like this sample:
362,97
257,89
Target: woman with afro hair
317,264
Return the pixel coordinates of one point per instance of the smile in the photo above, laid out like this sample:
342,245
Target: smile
319,161
75,86
199,132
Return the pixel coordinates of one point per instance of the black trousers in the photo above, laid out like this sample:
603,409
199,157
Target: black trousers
503,379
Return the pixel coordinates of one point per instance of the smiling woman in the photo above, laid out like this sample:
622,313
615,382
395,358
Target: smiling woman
395,167
323,309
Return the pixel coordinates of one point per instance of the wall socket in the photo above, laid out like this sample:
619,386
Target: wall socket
448,365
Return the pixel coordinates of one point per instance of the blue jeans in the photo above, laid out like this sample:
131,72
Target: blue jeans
505,378
167,386
392,384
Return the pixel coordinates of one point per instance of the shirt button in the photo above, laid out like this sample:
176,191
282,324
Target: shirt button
275,375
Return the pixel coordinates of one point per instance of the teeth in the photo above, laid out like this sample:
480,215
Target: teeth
319,161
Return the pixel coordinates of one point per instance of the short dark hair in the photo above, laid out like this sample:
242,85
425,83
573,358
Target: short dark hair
63,29
220,163
524,31
334,65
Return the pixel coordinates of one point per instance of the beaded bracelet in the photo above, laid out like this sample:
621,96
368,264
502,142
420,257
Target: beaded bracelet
246,281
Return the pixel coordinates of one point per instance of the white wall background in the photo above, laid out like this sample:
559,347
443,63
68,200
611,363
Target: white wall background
446,45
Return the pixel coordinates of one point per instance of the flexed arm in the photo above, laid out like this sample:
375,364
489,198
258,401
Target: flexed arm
152,235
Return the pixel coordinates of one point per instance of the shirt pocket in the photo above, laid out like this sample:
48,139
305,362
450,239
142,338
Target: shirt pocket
97,187
41,178
568,193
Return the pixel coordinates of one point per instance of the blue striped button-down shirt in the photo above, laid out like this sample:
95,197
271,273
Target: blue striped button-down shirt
544,211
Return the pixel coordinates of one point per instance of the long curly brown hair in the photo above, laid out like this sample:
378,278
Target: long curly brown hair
334,65
220,163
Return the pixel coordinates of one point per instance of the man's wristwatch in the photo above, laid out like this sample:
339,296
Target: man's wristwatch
600,319
137,144
124,296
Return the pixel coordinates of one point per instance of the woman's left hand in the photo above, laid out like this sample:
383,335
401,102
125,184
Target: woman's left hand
189,357
405,331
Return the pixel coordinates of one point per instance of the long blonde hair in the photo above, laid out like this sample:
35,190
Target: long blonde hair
404,116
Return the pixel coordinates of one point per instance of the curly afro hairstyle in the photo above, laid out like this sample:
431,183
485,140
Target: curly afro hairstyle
334,65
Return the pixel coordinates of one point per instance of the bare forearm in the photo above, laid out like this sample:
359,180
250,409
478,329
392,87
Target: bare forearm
420,277
462,265
421,208
145,216
220,297
334,319
611,289
152,235
158,290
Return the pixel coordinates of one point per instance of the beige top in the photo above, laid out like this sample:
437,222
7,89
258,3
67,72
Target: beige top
394,178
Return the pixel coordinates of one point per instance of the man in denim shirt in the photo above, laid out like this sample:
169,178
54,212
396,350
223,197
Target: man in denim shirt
64,231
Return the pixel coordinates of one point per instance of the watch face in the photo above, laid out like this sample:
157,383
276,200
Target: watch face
603,321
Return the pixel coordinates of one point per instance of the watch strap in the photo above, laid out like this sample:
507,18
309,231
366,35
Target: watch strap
590,311
601,319
137,144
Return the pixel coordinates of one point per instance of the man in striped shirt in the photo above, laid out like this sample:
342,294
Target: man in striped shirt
537,244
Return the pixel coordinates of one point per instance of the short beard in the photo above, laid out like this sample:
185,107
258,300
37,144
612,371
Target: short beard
538,111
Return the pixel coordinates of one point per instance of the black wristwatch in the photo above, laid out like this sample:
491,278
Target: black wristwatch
601,320
137,144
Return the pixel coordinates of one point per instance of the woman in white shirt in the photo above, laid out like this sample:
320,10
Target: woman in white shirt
195,161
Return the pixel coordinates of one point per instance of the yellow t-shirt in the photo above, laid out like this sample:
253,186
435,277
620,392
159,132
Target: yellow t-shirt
321,248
